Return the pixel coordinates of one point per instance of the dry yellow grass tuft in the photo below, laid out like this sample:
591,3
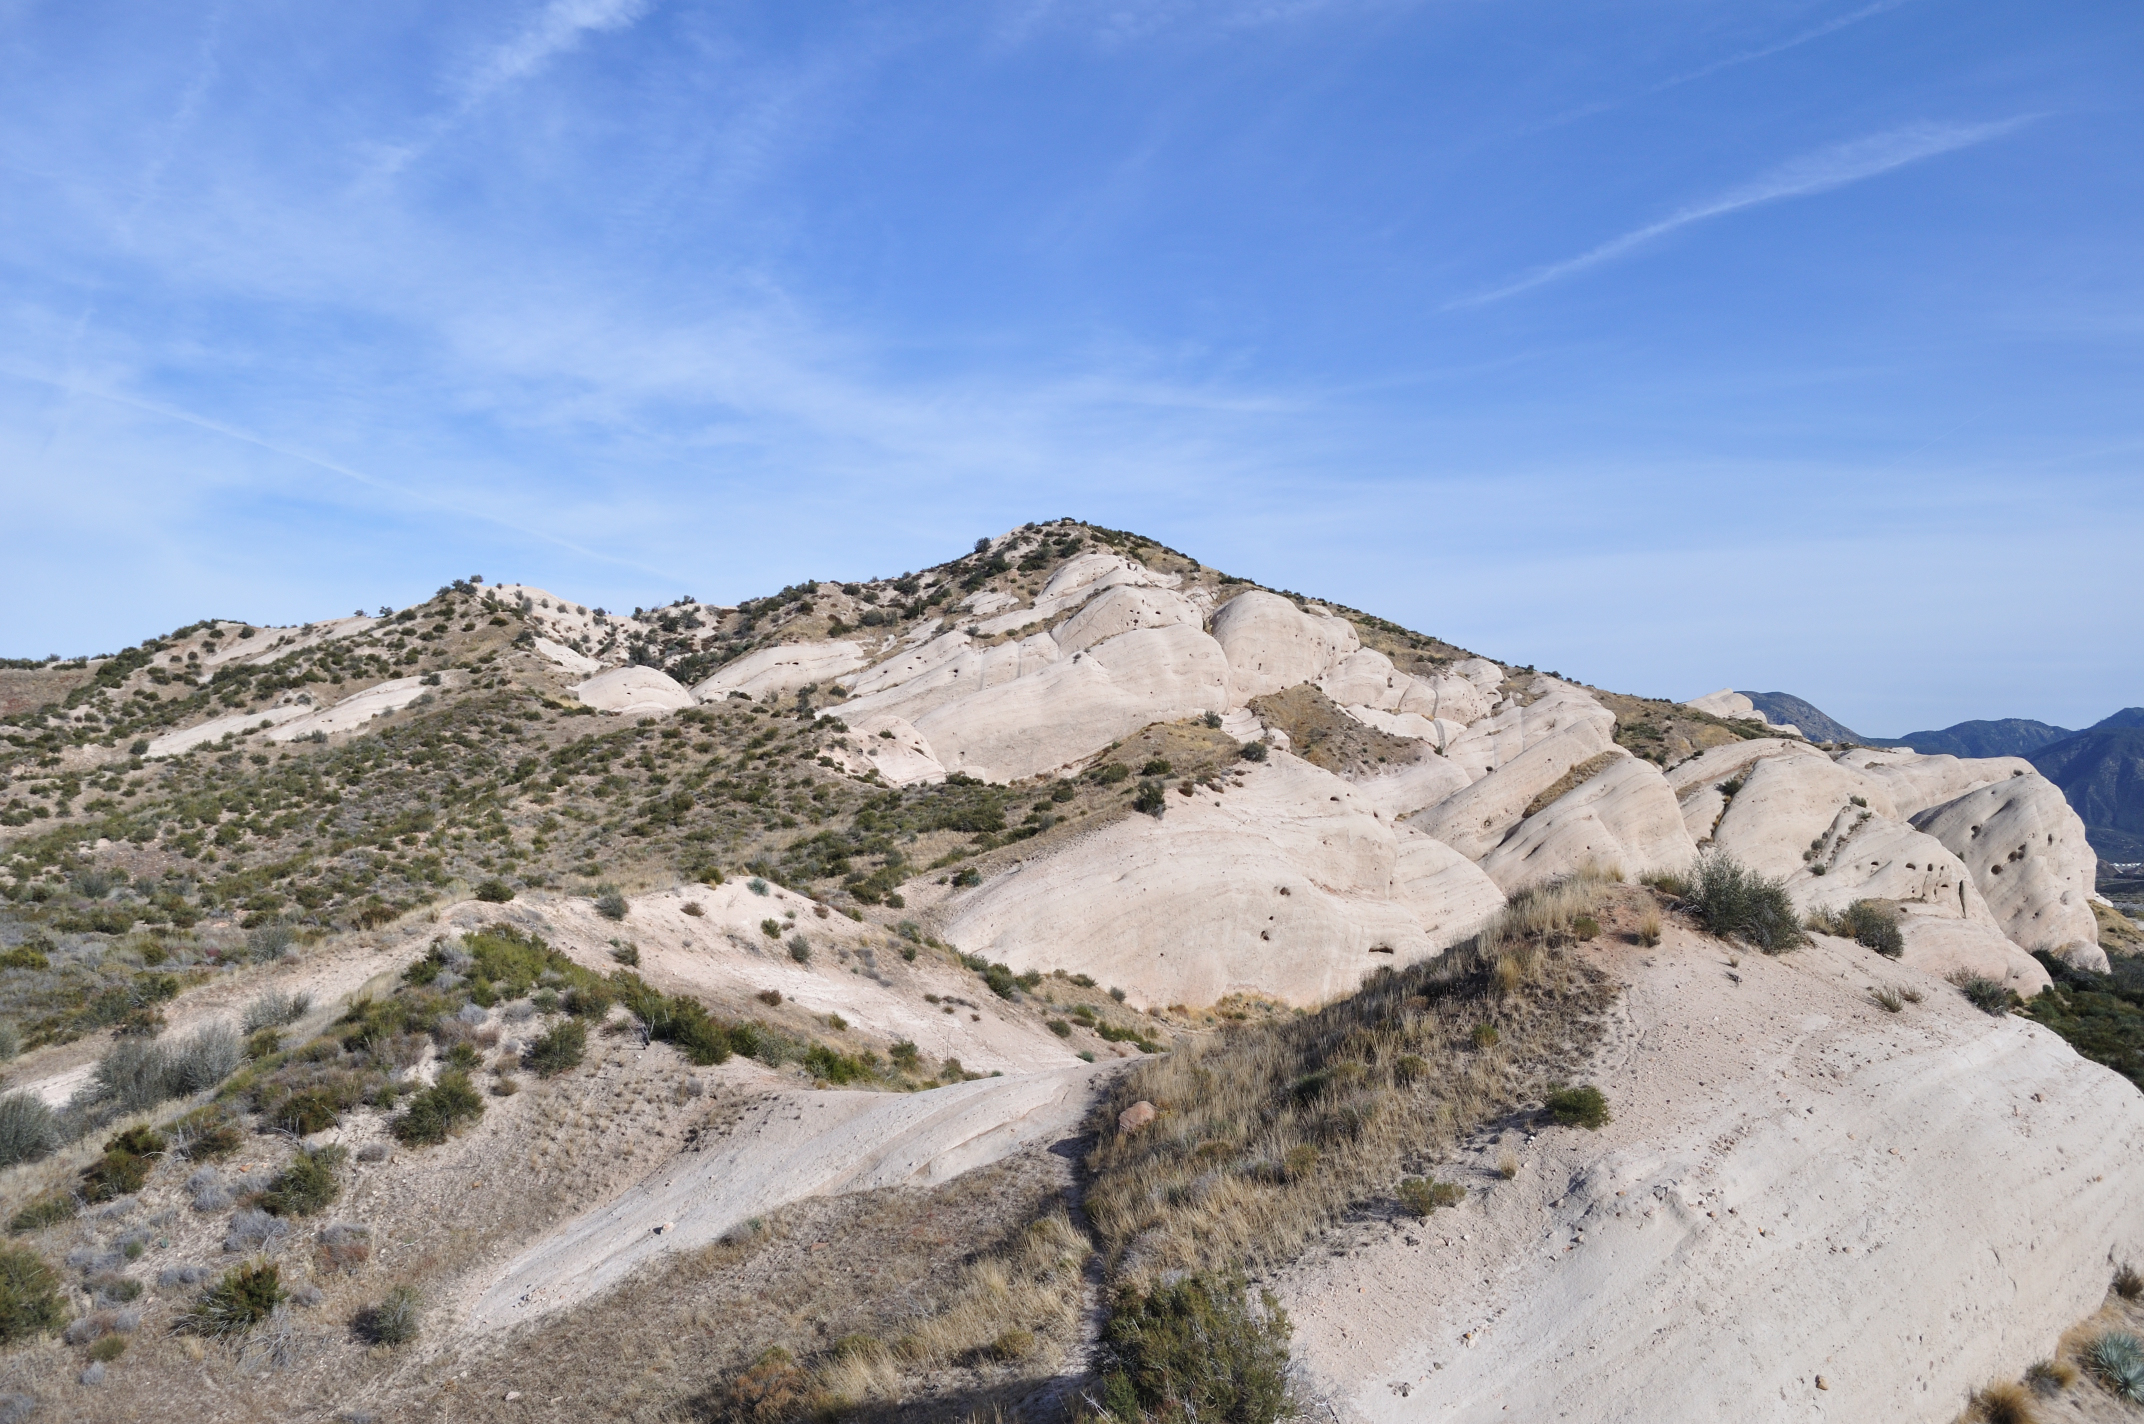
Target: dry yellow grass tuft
1269,1132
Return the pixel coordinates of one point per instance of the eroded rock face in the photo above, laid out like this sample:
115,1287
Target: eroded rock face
1079,704
1625,817
1125,610
1292,886
2026,850
633,689
1474,821
1915,783
1497,740
780,670
1271,644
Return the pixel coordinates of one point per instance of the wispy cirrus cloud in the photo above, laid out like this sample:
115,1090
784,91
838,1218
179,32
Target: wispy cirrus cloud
560,27
1820,172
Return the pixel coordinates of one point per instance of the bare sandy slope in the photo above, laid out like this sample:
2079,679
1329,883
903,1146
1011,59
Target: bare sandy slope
784,1148
1758,1214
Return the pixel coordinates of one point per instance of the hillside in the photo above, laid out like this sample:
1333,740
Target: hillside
1785,709
918,997
2008,736
2101,771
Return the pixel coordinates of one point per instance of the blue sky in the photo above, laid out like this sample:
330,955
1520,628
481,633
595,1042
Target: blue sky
1671,345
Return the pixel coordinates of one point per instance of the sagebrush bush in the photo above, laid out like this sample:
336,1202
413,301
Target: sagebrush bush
2051,1376
133,1076
28,1129
30,1302
274,1010
609,903
397,1319
493,891
270,941
557,1049
1197,1349
1734,902
202,1061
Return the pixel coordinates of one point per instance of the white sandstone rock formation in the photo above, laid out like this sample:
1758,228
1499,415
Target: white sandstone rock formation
633,690
1494,741
567,658
780,670
1941,946
1291,886
1734,707
893,748
1794,1184
1271,644
1623,816
1915,782
1077,705
1125,609
1473,821
2026,850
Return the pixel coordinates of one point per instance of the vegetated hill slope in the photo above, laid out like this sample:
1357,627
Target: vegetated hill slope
2102,774
1071,796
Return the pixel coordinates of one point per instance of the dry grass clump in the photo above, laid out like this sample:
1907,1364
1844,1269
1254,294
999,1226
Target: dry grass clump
1271,1131
2003,1403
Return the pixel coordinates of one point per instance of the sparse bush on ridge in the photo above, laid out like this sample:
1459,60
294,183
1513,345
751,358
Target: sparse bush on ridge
557,1049
1733,902
308,1183
1872,924
29,1130
2002,1403
395,1320
274,1009
1990,996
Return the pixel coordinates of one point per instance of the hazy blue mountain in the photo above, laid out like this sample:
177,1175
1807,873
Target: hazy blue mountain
2009,736
1814,724
2101,772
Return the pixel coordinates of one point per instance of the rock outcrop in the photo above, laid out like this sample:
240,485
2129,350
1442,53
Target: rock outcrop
634,690
2027,852
1292,886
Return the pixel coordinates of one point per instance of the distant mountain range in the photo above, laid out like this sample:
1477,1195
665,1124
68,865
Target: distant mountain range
2100,769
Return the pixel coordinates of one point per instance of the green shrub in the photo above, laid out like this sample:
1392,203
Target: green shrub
395,1320
800,949
1156,766
446,1107
244,1297
308,1184
771,928
498,892
1151,799
1874,926
904,1055
124,1168
44,1211
560,1048
28,1129
1423,1195
30,1302
837,1068
1252,751
1990,996
1196,1349
609,903
1577,1107
1734,902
